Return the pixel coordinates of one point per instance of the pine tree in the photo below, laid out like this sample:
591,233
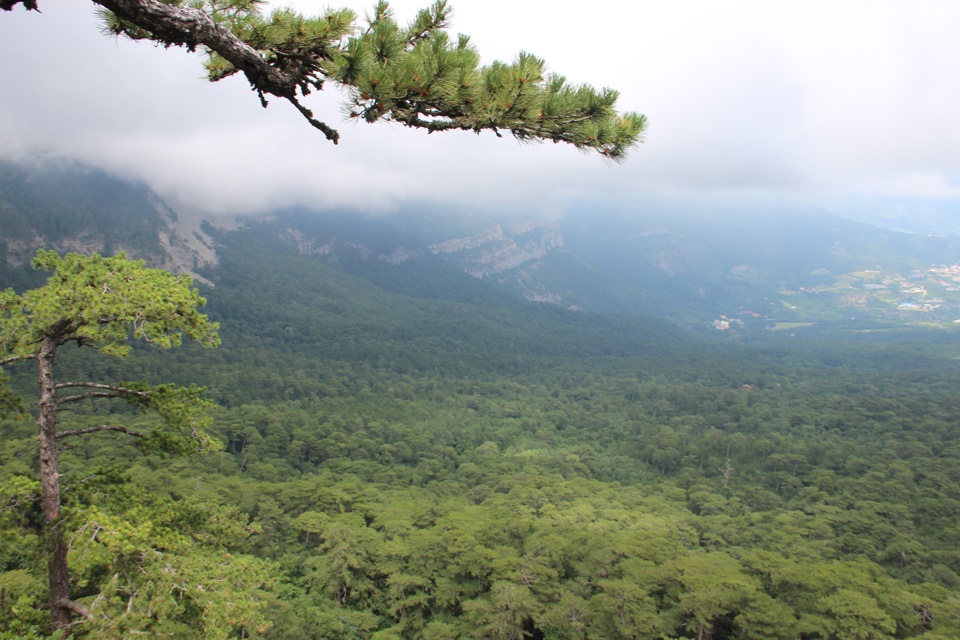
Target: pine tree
99,302
419,75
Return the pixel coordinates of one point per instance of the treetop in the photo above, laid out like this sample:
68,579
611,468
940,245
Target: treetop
101,302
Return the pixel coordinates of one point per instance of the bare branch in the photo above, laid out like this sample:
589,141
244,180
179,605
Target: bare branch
102,427
76,607
331,134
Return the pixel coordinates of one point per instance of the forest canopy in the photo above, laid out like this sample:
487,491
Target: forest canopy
429,476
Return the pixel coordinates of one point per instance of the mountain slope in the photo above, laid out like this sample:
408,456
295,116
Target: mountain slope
741,269
67,207
268,292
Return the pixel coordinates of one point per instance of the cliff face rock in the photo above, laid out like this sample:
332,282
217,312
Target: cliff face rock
185,242
399,256
334,248
20,251
306,244
509,254
497,250
179,244
72,208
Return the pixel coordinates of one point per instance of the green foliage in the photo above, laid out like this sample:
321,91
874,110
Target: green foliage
195,594
421,77
9,401
100,301
22,618
376,481
104,302
185,414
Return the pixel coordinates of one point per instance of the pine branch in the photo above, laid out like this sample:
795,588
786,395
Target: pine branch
428,21
98,428
416,76
108,387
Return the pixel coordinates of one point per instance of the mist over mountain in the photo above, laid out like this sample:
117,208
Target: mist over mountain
733,268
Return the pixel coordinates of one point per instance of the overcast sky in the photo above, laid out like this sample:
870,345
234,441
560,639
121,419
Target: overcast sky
821,101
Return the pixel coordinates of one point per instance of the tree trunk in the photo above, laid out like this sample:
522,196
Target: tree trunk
50,486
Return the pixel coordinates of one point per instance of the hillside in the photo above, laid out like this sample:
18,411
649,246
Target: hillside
68,207
412,450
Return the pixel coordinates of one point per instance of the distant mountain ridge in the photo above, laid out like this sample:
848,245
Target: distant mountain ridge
727,270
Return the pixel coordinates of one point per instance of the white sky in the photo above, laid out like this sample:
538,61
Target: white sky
818,100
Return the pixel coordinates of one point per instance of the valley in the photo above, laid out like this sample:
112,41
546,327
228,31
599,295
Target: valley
471,430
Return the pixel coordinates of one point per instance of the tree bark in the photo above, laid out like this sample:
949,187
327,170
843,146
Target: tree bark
171,25
59,579
189,27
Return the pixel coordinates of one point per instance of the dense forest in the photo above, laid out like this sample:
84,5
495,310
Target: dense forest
460,464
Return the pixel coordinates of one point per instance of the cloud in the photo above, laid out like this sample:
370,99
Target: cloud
810,100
